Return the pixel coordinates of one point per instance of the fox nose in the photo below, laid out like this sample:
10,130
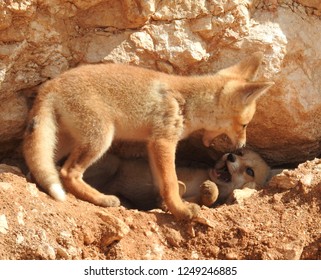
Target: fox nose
231,157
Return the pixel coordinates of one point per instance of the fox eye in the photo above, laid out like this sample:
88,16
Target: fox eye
249,171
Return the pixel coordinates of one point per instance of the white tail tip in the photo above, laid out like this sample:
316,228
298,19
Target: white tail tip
57,192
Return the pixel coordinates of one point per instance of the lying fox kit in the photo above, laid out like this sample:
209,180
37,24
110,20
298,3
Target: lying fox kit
131,179
79,113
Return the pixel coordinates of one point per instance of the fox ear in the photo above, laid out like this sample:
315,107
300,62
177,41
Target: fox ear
246,68
252,91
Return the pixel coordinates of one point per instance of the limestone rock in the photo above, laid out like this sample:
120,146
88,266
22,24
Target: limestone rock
287,125
42,38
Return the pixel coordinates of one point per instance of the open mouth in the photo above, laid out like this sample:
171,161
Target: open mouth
223,174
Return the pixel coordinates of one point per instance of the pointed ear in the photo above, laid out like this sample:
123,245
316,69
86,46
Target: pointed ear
252,91
274,172
247,68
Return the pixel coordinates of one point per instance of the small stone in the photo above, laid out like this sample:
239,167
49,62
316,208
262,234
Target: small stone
4,168
20,216
19,238
115,229
194,255
306,180
65,239
232,256
89,237
63,254
3,224
173,237
242,194
5,186
156,252
46,251
32,189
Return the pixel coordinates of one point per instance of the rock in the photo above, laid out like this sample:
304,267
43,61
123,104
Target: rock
156,252
303,176
283,181
20,216
19,239
115,229
4,168
5,186
46,252
239,196
43,38
173,237
63,254
293,135
292,251
32,189
3,224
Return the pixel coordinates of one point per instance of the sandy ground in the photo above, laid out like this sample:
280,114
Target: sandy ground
282,221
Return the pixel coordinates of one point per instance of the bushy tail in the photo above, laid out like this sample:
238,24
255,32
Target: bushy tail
39,148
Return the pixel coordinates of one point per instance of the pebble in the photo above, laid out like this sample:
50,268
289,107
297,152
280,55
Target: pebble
20,216
32,189
5,186
115,229
19,238
3,224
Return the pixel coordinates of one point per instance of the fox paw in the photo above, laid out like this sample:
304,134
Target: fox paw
109,201
190,211
209,193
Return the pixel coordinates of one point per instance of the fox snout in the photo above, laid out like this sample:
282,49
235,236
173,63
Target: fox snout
240,145
238,140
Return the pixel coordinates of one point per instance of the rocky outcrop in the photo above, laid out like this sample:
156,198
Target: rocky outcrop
41,38
288,122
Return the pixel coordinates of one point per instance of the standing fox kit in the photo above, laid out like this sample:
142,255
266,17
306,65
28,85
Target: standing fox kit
79,113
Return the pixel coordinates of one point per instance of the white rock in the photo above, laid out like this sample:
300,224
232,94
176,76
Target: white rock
19,239
5,186
3,224
32,189
20,216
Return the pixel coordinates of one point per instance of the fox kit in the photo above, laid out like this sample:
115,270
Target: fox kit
81,112
244,169
131,179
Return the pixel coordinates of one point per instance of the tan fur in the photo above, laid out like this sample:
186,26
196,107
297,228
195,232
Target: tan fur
81,112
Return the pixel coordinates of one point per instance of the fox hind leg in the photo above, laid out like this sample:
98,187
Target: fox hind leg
81,157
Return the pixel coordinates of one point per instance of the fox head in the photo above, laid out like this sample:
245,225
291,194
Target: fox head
237,99
244,169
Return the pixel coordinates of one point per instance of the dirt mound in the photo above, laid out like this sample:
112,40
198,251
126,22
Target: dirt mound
282,221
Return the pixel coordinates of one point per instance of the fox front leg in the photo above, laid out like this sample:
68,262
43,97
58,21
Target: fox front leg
162,161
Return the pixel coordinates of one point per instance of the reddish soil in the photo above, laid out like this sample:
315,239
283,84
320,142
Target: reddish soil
282,221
